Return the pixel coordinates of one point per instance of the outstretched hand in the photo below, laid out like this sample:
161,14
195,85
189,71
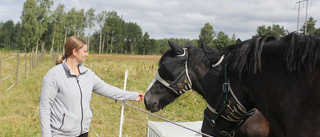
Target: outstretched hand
140,97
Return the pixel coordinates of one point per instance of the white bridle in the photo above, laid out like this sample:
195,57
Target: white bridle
186,87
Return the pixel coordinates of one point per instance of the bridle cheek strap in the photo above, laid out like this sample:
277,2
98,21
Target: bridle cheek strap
165,83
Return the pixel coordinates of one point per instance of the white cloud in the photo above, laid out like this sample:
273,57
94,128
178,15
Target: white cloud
185,18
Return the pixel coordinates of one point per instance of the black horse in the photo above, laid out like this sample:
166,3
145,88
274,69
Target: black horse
181,69
280,77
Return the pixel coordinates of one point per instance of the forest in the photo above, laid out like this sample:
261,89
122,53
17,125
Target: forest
42,28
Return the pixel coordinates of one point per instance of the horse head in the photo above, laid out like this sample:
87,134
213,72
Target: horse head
179,71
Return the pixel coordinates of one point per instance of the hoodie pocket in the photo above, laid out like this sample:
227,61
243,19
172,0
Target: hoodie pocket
62,122
69,122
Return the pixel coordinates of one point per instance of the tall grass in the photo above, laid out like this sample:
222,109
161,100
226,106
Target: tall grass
19,111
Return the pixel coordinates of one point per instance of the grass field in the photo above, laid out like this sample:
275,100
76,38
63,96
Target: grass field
19,107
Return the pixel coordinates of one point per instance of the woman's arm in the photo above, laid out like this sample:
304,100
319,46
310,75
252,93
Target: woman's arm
48,93
104,89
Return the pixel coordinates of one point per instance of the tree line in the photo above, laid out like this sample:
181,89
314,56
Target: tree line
43,29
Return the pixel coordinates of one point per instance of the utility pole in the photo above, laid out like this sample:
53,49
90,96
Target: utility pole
298,14
306,26
306,20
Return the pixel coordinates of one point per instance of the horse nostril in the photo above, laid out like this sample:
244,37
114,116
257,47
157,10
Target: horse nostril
155,104
154,107
149,105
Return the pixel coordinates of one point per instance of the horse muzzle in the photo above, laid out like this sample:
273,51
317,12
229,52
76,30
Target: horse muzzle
151,105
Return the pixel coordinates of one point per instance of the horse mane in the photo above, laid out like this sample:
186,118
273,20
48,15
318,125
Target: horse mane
297,51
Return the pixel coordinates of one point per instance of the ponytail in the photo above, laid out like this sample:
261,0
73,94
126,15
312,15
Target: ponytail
60,59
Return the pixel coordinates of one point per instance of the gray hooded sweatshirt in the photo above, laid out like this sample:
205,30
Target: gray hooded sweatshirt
65,100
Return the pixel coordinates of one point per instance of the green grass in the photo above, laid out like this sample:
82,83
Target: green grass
19,110
19,107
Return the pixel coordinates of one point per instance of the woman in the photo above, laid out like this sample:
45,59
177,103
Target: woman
66,93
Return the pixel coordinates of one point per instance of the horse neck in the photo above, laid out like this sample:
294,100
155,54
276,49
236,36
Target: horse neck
197,71
196,75
204,87
243,93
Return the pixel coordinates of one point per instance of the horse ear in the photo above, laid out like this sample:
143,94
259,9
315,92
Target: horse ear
238,41
211,54
176,48
187,45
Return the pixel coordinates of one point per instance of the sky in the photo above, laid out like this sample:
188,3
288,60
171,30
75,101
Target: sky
185,18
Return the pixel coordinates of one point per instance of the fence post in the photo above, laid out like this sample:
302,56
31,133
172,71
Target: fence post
37,57
122,107
25,64
30,62
17,68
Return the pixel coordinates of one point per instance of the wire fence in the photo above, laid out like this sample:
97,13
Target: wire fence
150,131
14,67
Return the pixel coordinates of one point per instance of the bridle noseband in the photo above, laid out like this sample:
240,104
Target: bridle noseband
182,83
232,110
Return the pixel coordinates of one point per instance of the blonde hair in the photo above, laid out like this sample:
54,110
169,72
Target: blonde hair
72,42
